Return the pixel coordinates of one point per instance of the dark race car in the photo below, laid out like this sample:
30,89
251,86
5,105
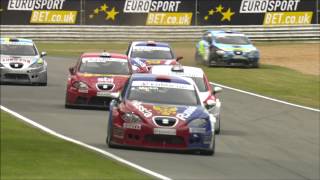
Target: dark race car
96,79
161,112
144,54
226,48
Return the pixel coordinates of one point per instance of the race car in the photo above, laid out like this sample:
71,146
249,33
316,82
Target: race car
207,92
21,62
144,54
226,48
96,79
161,112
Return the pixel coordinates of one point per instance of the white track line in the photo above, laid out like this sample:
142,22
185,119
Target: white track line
265,97
49,131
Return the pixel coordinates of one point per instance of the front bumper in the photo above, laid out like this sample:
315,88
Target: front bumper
232,59
87,99
25,76
149,137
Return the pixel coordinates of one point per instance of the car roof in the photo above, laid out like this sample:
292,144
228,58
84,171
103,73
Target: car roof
225,32
188,71
155,77
7,40
98,54
145,43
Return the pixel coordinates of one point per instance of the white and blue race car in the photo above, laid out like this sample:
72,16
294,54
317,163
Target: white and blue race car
226,48
21,62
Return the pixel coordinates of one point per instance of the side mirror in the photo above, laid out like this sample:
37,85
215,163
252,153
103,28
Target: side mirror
179,58
216,89
210,103
42,54
71,70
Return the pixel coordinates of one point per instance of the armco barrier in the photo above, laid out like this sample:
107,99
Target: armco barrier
177,33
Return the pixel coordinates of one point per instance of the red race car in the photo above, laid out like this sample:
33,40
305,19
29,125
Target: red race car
96,79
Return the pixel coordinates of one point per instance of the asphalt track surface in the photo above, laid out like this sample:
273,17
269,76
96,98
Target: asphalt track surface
260,139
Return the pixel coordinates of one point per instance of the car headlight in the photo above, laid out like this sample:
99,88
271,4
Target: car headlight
80,85
254,53
130,117
220,52
37,64
201,123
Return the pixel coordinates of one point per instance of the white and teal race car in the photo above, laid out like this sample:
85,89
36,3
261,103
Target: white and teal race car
21,62
226,48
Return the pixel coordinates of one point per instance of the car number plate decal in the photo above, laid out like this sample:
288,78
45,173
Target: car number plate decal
103,94
164,131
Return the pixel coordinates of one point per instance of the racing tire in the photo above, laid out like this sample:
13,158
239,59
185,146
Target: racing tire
108,139
255,65
211,151
45,83
217,130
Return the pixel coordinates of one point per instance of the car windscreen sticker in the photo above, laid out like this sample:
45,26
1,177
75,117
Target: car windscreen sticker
102,60
150,48
17,43
162,84
189,74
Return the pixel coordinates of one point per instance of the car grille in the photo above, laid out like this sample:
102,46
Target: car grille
165,121
16,76
100,101
16,65
105,87
167,139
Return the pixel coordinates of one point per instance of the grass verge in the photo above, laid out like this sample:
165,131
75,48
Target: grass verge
28,153
269,80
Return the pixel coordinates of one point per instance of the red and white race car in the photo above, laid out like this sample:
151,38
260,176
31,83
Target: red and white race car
144,54
96,79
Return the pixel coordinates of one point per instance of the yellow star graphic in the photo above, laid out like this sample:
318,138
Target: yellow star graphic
104,8
112,14
211,12
206,18
227,15
219,8
96,11
91,16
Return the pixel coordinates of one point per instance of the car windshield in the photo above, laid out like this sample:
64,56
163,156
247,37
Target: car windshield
239,40
151,52
104,66
18,50
163,93
200,84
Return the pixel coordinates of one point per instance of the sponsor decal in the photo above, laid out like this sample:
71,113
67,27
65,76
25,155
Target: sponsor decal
186,113
169,19
44,11
132,126
146,6
53,17
166,111
160,13
104,94
150,48
10,59
277,18
162,84
197,130
153,62
224,13
164,131
29,5
105,79
106,11
146,112
277,12
118,132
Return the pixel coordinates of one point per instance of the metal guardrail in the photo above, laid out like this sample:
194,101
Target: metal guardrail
177,33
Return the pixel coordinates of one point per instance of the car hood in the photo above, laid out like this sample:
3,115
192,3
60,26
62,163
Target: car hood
230,47
25,60
147,111
93,79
